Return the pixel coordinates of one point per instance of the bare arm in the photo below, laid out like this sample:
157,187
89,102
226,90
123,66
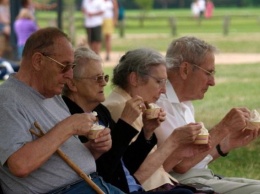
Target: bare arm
33,154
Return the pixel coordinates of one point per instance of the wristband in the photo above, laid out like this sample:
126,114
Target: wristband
220,151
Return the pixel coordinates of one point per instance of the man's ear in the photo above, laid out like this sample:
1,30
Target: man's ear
37,61
184,70
71,85
133,79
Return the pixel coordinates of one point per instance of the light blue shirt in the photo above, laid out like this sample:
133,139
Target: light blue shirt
132,184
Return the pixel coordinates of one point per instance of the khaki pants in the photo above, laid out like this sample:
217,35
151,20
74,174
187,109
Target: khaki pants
225,185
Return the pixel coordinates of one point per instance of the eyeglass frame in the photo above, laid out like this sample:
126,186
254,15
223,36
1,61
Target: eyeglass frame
65,68
212,74
97,78
161,82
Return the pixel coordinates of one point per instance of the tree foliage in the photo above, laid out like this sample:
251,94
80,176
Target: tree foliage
145,4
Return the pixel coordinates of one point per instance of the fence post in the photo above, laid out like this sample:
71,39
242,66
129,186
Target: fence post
141,19
69,18
59,14
226,24
173,25
121,28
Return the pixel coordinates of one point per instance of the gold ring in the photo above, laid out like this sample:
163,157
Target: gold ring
140,106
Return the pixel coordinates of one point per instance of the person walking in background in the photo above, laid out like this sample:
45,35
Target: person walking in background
93,11
5,17
209,9
121,19
110,21
202,6
121,12
4,26
24,26
195,10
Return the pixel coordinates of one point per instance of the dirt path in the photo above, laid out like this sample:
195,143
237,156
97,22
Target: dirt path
221,59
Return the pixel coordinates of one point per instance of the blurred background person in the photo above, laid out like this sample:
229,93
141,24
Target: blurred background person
24,26
209,9
4,25
202,6
121,12
5,17
93,11
195,10
109,23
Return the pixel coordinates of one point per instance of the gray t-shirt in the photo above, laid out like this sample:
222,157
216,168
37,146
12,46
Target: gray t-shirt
20,107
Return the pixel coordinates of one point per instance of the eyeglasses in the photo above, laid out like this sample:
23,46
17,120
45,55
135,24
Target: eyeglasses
161,82
64,68
99,78
209,73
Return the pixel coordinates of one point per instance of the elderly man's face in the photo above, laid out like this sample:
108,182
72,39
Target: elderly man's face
199,80
53,75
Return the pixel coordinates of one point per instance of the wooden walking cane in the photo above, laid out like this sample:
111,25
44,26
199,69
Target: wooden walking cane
74,166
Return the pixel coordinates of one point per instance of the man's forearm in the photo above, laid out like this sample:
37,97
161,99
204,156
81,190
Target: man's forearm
33,154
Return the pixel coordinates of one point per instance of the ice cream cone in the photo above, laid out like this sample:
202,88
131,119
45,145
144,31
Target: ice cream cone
203,137
95,131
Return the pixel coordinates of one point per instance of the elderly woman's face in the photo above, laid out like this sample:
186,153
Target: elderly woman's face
91,84
151,89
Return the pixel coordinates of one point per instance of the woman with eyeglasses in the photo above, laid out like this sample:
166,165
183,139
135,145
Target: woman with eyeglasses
84,93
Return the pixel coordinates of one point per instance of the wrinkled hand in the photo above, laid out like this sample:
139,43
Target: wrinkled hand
235,119
185,134
79,124
133,109
151,124
101,144
238,139
183,151
191,150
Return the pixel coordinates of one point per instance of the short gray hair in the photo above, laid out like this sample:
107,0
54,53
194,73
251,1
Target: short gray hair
82,57
139,61
189,49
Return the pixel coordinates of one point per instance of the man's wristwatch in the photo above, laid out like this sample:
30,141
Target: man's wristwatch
220,151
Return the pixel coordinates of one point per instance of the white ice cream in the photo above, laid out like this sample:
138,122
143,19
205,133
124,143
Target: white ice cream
203,130
97,127
94,113
153,105
254,116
